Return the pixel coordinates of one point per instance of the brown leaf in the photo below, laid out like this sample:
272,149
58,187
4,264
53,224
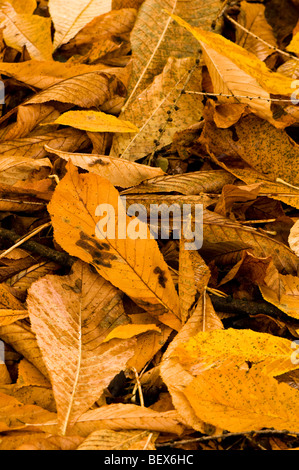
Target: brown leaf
65,314
88,90
118,171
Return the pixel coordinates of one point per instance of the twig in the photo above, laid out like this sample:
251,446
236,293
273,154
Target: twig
138,386
274,48
225,435
247,307
24,239
61,258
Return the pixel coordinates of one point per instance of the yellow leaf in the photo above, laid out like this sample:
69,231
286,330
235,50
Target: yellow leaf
30,375
25,7
28,30
175,374
229,79
70,17
272,82
126,256
95,121
46,73
128,331
269,354
8,316
238,401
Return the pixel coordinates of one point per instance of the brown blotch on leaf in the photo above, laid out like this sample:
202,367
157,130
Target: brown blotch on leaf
99,161
97,250
162,279
77,288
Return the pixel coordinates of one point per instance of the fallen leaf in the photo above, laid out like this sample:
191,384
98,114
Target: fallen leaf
95,121
74,220
69,18
66,319
28,30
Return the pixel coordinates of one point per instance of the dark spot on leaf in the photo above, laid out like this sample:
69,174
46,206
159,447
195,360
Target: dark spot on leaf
97,250
77,288
99,161
162,279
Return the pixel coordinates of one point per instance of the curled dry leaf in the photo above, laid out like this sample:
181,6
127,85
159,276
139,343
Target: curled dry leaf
194,276
120,417
28,117
252,17
21,338
69,316
186,183
221,234
87,90
13,169
43,74
281,290
136,266
28,30
271,82
33,147
69,18
119,172
229,79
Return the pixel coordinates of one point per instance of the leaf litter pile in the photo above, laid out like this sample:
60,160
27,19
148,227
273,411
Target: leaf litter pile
137,342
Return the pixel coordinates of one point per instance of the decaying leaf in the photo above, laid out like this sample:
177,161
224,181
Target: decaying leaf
69,18
119,172
115,257
66,321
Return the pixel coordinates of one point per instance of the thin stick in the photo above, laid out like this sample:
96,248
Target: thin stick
148,441
257,221
138,386
237,96
61,258
224,436
24,239
260,39
279,180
